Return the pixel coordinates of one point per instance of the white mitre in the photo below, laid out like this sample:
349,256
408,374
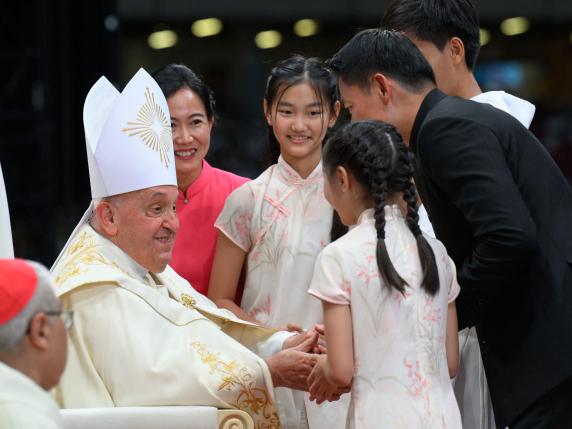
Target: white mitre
6,247
128,140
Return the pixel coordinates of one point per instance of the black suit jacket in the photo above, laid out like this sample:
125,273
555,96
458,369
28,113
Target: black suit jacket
502,208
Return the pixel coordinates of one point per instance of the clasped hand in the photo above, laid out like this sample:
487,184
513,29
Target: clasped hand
320,387
300,365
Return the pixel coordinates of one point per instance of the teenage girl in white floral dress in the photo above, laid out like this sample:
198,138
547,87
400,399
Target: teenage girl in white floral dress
388,291
279,222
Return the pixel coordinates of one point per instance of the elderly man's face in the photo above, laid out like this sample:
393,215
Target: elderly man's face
147,224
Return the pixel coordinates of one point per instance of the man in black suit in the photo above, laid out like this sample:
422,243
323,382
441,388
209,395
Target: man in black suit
501,207
447,32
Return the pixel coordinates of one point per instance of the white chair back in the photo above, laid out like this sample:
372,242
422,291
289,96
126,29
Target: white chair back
181,417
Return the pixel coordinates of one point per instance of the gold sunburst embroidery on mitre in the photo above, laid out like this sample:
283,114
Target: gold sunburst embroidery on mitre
152,127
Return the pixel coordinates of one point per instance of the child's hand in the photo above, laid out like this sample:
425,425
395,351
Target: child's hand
319,387
291,327
321,346
304,342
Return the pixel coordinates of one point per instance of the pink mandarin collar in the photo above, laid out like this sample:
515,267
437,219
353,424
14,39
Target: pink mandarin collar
198,185
292,177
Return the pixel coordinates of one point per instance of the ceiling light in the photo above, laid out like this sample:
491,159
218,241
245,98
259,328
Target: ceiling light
268,39
111,23
485,36
305,27
514,26
206,27
162,39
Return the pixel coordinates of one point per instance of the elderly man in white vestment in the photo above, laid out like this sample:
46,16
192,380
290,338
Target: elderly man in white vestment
142,335
32,346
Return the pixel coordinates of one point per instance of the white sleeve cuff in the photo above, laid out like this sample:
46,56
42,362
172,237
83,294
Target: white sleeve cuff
273,344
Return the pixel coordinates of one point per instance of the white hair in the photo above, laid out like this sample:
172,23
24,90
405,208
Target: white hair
116,200
44,299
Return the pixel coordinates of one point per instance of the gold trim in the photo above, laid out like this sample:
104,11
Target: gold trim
188,301
254,400
81,252
150,114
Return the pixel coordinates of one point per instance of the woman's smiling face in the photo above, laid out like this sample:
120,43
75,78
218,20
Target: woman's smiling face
191,131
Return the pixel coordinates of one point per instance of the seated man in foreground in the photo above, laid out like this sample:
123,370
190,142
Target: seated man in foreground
142,335
32,346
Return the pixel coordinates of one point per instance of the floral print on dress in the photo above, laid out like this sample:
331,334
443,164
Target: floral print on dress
432,314
262,313
418,382
402,380
242,228
289,223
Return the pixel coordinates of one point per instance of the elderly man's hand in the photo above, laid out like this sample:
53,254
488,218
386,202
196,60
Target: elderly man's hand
291,368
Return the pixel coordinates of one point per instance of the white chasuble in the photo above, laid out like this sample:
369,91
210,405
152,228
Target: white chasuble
24,404
132,344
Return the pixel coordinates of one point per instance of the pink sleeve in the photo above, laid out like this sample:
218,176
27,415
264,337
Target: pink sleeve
329,281
235,219
454,287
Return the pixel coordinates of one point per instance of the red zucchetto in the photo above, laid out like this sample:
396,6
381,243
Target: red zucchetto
18,282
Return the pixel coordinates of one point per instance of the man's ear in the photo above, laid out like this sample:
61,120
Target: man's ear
334,115
40,331
267,112
381,86
107,218
456,49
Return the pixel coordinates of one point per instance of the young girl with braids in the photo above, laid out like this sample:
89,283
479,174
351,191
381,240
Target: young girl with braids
277,224
387,290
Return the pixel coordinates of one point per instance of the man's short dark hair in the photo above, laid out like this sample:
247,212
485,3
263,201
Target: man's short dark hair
437,21
382,51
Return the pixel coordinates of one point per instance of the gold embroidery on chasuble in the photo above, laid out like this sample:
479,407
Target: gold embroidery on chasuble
152,127
81,252
252,399
188,301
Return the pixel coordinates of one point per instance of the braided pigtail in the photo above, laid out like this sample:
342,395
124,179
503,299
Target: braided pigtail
426,255
357,147
388,272
377,162
403,182
374,153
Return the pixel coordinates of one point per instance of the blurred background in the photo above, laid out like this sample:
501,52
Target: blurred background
52,51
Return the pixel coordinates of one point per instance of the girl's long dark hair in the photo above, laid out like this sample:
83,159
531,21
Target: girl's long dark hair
373,152
294,70
287,73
